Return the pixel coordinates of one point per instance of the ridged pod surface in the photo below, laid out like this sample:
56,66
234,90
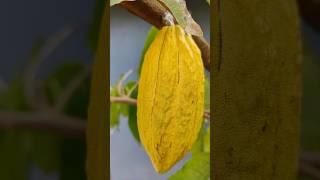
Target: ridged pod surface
171,97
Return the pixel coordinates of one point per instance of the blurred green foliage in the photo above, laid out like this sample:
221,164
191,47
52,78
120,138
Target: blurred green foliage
21,149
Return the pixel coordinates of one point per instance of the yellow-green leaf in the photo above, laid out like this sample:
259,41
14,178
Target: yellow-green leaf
198,167
179,10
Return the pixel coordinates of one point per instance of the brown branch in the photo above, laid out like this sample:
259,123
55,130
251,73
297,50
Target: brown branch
311,157
206,115
123,100
309,170
44,121
154,12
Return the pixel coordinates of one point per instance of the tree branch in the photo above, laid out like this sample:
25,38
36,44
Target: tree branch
123,100
153,12
44,121
309,170
311,157
120,87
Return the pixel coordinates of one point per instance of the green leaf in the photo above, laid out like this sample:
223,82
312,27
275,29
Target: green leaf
203,142
132,122
149,39
208,1
199,144
207,94
114,2
132,118
130,87
206,141
179,10
198,167
115,110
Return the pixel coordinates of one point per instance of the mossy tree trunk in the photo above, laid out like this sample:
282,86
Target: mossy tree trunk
256,89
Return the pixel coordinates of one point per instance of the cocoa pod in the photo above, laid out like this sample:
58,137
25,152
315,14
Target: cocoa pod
171,97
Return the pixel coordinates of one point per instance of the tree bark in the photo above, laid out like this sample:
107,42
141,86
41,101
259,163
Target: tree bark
256,90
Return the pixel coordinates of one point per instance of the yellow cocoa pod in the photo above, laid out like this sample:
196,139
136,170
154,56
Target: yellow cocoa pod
171,97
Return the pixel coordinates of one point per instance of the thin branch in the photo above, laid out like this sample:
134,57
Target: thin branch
123,100
132,89
70,89
120,87
206,114
154,12
311,157
44,121
30,85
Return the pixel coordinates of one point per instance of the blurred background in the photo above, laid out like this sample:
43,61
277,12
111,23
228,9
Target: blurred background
46,51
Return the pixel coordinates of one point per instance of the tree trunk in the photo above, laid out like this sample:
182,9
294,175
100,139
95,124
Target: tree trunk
256,79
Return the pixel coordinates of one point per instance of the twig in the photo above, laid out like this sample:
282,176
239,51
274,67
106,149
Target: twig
132,89
311,157
70,89
44,121
30,85
154,12
120,87
206,114
123,100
